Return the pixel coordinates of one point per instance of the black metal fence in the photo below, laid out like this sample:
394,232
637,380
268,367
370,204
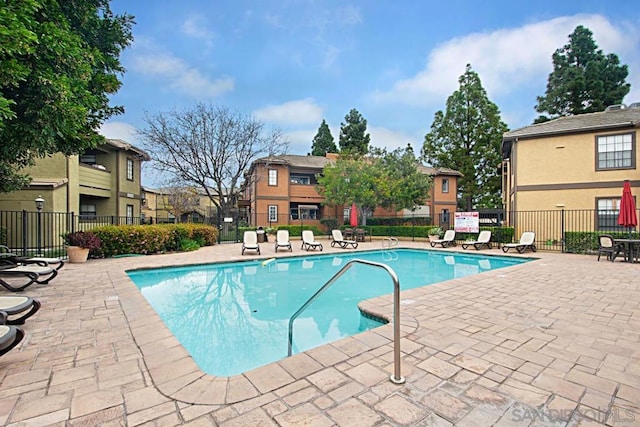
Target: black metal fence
29,233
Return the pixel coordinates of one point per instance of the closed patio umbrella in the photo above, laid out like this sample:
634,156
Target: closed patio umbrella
353,216
627,216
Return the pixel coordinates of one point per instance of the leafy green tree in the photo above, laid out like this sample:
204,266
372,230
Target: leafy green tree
353,136
59,62
583,80
390,180
467,137
323,142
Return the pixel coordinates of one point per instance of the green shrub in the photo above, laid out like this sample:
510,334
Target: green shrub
584,242
151,239
188,245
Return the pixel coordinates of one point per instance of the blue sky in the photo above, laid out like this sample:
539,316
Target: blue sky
292,63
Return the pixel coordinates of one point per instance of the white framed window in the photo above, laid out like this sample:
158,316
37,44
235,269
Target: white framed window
445,185
273,213
615,152
130,169
129,214
299,179
607,214
273,177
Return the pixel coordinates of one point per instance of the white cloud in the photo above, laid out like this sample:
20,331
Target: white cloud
303,111
505,59
119,130
180,75
300,141
389,139
196,27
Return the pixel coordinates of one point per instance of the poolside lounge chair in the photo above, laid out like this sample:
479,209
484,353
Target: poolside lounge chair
17,305
250,242
6,254
340,241
449,239
309,242
607,245
484,239
32,273
527,241
10,336
282,240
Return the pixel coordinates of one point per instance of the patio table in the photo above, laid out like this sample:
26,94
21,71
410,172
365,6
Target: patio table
629,248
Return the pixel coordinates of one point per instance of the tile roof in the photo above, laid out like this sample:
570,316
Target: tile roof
624,118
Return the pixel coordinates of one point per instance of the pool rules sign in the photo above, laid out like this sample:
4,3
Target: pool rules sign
467,222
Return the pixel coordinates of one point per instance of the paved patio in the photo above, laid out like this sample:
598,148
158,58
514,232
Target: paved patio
552,342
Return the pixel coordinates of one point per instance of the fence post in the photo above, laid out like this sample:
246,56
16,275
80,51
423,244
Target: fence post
24,232
562,230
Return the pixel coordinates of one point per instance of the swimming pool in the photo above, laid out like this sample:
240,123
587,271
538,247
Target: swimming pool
233,317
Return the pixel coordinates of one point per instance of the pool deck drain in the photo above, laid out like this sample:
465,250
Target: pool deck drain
551,342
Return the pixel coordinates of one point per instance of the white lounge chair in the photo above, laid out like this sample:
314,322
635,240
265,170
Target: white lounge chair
10,336
527,241
340,241
17,306
32,273
449,239
6,254
309,242
484,239
282,240
250,242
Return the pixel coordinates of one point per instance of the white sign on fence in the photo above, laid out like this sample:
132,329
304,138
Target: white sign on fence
467,222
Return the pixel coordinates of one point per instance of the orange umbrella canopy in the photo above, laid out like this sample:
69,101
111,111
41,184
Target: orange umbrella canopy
627,216
353,216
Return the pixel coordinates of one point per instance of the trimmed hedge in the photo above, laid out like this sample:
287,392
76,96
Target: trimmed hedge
419,220
151,239
584,242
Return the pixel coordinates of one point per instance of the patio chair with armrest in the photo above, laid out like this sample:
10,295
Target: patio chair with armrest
608,246
484,239
309,242
337,239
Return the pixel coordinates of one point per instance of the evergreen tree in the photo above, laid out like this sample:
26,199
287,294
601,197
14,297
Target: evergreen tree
467,137
353,136
583,80
323,142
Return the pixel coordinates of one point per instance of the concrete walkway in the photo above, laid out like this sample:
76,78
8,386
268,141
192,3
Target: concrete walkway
552,342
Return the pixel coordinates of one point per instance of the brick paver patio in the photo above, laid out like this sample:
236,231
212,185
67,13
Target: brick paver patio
552,342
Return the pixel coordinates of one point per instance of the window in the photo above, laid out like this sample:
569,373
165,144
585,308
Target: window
129,214
299,179
445,185
273,177
607,214
445,216
273,213
87,211
308,212
130,169
615,152
89,159
346,214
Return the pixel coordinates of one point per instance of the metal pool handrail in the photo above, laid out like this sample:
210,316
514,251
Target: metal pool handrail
396,377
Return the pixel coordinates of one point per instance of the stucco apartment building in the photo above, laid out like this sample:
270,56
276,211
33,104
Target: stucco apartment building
162,205
281,190
104,181
573,163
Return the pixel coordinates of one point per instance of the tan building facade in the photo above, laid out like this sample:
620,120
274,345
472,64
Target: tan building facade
282,190
104,181
573,163
169,205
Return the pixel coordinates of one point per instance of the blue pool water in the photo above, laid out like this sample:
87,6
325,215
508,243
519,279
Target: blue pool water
233,317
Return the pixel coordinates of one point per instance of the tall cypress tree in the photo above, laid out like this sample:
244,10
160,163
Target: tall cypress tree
467,137
353,136
323,142
583,80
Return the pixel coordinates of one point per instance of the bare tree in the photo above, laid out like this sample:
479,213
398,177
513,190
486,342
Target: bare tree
208,147
182,200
